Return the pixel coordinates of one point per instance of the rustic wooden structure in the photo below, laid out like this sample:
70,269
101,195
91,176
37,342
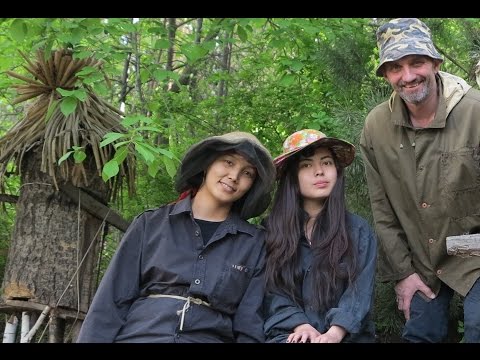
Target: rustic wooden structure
61,211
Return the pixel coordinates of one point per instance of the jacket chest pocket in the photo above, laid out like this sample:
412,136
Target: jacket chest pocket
460,182
232,284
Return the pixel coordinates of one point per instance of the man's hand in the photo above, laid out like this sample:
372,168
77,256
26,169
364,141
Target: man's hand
406,288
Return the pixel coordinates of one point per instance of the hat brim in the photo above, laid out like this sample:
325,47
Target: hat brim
344,151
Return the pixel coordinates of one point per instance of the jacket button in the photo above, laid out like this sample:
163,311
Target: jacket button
200,257
197,233
439,271
197,281
431,241
425,205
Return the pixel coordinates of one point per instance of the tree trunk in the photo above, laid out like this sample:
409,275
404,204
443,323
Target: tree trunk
50,238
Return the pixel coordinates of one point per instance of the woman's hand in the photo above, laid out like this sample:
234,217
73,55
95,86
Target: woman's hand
302,334
334,335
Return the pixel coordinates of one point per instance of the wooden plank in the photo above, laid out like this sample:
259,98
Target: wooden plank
14,306
94,207
8,198
464,245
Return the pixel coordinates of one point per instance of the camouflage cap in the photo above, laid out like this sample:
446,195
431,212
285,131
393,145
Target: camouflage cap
402,37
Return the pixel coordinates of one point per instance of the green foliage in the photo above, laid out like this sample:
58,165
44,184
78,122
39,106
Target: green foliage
152,156
78,155
388,319
267,76
69,101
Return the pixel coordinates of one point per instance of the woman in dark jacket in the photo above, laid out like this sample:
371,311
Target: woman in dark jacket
320,258
193,270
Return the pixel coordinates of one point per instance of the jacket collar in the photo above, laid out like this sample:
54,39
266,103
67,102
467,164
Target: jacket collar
234,223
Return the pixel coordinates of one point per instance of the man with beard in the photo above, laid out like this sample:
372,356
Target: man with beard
422,161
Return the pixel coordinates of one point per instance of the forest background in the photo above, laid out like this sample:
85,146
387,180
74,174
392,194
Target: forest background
175,81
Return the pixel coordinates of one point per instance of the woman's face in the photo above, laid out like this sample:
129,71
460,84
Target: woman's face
317,176
229,177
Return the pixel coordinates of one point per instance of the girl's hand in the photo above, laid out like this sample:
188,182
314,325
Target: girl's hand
302,334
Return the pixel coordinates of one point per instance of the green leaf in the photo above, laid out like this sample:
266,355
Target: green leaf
100,89
87,70
130,120
80,94
287,80
296,65
51,109
65,93
110,169
144,75
167,153
121,155
161,44
148,128
77,34
108,138
79,156
193,52
68,105
64,157
161,75
122,143
18,30
146,153
169,166
153,168
242,34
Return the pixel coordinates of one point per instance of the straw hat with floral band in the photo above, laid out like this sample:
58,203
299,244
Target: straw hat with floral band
344,151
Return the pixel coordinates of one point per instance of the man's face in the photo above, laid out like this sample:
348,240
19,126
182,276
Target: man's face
412,77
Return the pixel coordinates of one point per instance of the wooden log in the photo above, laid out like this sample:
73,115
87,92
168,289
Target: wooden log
25,325
464,245
10,329
56,330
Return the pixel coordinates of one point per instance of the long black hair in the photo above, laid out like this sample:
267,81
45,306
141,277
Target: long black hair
334,261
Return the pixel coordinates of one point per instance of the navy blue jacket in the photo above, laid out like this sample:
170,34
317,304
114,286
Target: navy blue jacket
354,309
163,252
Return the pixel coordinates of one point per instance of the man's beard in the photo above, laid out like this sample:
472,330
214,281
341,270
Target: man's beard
418,96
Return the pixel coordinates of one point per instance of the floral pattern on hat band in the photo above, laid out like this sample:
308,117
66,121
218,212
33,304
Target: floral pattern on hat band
301,139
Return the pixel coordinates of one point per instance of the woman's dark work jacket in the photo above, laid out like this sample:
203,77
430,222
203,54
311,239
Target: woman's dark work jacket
353,311
163,253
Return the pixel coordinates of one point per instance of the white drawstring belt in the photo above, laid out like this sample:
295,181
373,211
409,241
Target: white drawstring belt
185,307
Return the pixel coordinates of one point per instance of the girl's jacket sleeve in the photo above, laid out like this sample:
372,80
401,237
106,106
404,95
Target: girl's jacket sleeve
282,315
120,285
357,301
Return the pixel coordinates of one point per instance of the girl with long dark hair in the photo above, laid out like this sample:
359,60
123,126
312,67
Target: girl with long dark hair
320,258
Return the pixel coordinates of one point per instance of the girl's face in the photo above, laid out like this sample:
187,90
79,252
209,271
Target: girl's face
317,176
228,178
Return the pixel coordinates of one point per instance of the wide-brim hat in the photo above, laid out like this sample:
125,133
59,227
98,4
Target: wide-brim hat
405,36
200,155
343,150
